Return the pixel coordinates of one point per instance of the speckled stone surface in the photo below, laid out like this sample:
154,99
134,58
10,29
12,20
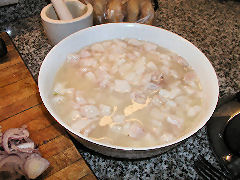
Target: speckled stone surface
23,9
212,26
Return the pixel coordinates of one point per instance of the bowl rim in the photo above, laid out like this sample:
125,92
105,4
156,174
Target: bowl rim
178,140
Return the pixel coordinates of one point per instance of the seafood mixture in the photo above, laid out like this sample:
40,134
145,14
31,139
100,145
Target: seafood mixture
127,93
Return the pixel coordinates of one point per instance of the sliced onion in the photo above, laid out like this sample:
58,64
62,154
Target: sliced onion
13,133
35,165
24,147
19,155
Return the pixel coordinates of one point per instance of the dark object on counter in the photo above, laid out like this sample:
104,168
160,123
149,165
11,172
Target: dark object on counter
224,134
207,171
3,48
232,134
155,5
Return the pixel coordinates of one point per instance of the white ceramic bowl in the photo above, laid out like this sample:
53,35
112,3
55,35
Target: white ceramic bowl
164,38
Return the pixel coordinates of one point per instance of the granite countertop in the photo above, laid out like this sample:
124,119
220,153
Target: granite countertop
212,26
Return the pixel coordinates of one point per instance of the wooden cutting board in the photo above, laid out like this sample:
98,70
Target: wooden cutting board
20,104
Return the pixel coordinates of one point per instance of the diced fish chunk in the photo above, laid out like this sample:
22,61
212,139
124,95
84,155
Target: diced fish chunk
88,62
125,68
150,46
181,60
164,93
171,103
105,110
169,94
190,76
165,59
91,76
122,86
75,115
138,97
167,137
79,99
118,118
58,99
80,124
193,111
157,101
174,120
84,53
97,47
134,42
59,89
139,67
89,111
73,58
151,65
131,77
136,130
116,128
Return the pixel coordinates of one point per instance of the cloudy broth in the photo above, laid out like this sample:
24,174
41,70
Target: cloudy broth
127,93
